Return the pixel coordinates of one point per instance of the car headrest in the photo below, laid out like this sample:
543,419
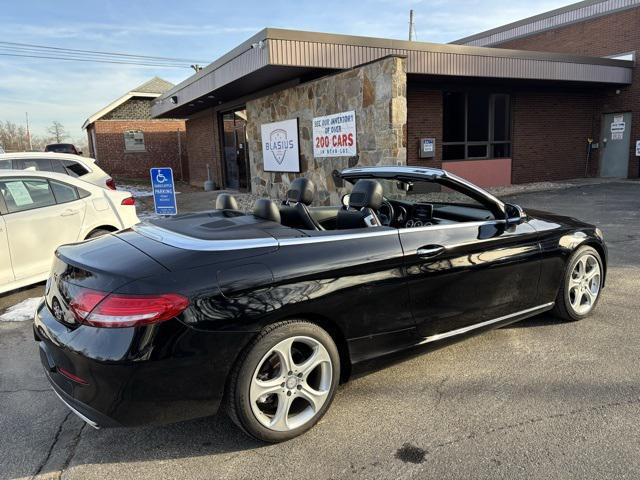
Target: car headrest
226,202
302,190
366,193
267,209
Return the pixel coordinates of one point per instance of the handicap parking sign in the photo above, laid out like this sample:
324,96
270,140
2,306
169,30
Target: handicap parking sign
164,192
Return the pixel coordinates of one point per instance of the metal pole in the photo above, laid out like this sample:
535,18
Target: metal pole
26,114
411,25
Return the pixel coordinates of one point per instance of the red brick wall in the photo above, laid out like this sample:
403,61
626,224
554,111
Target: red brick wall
203,145
549,136
161,147
424,119
607,35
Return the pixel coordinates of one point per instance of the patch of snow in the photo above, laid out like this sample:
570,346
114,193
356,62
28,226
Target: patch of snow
138,191
22,311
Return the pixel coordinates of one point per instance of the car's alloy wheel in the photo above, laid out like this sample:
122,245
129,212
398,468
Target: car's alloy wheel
291,383
285,381
584,284
581,286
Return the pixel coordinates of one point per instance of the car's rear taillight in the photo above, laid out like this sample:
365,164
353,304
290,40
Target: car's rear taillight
128,201
100,309
111,183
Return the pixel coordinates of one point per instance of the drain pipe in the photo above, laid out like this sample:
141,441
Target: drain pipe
208,185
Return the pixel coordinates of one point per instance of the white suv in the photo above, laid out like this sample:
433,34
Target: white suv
67,164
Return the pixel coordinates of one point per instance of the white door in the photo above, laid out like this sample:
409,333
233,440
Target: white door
6,271
37,224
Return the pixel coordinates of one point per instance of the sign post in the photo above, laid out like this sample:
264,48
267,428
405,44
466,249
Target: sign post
164,192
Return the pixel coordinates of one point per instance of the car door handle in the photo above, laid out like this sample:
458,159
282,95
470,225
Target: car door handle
68,213
430,251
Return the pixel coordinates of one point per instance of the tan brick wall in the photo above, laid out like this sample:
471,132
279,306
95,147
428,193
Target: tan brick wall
161,147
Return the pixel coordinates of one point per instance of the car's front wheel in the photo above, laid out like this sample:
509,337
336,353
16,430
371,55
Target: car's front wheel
581,285
285,382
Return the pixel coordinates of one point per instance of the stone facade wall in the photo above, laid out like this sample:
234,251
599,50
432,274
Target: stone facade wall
138,108
375,91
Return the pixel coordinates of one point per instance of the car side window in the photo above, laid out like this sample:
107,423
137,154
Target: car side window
64,193
5,165
74,168
57,166
26,194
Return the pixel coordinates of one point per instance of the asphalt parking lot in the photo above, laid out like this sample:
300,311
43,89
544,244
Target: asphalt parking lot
538,399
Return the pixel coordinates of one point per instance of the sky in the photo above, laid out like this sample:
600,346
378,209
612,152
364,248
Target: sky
69,92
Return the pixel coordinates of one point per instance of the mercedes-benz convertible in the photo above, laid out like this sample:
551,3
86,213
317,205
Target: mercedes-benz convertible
265,313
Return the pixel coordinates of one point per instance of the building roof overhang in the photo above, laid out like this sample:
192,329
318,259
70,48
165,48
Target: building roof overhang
275,56
115,104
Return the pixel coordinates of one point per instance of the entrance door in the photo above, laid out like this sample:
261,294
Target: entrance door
614,145
234,144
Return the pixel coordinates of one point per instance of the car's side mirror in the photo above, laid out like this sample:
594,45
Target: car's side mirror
515,214
345,200
79,152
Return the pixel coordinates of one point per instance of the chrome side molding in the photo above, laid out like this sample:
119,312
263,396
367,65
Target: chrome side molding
469,328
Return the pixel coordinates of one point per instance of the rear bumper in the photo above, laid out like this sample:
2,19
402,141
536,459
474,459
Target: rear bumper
160,374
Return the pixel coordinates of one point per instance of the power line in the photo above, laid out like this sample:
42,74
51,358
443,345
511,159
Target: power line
101,53
95,60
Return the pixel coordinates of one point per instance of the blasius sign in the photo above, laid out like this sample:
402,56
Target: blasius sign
280,151
335,135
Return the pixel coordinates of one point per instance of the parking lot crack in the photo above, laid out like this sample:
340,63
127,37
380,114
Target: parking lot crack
72,450
56,437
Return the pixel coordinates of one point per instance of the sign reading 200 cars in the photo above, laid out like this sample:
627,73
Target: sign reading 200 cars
280,150
335,135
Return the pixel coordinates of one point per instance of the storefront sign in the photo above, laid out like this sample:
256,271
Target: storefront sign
637,148
280,150
335,135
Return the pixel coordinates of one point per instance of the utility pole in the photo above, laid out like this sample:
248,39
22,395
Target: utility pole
26,114
411,25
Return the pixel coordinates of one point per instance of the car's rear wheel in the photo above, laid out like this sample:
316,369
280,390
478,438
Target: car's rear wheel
285,382
98,233
581,286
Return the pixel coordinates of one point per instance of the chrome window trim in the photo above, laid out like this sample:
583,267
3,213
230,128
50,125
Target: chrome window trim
460,331
185,242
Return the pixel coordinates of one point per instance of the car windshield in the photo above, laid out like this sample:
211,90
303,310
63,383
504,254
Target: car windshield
431,192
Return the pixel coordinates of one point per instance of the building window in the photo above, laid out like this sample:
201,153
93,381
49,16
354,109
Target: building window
476,125
134,141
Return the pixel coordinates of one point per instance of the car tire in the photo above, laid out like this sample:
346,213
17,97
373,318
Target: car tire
577,286
273,402
98,233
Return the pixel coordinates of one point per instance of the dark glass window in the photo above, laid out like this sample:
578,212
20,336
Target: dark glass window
476,125
453,117
63,193
74,168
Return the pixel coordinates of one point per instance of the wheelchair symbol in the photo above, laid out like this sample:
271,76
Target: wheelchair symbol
160,178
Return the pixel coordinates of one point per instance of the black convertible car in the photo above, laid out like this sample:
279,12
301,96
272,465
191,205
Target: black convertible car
266,313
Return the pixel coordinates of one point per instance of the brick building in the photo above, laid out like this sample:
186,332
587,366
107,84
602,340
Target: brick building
125,140
551,97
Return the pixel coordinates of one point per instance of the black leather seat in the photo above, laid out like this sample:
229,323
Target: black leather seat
295,209
364,200
226,201
267,210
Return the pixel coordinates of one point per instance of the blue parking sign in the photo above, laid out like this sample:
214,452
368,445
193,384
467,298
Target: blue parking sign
164,192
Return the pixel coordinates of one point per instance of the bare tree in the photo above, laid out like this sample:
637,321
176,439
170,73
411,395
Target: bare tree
57,131
13,138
